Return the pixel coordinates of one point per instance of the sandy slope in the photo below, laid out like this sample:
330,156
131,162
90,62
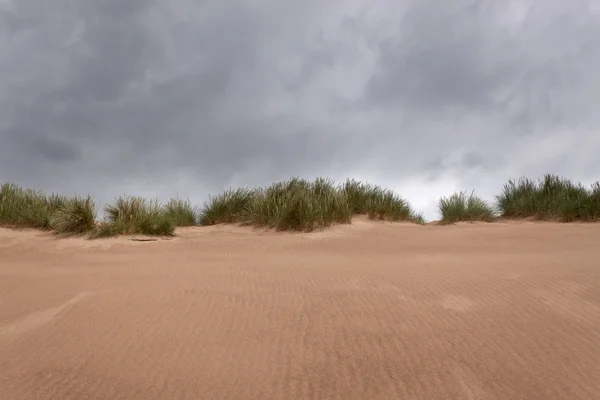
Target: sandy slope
373,311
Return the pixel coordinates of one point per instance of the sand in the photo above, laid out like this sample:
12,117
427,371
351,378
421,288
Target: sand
369,311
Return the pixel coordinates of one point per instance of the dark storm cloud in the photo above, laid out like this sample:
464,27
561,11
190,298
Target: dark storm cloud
439,58
468,57
53,149
184,97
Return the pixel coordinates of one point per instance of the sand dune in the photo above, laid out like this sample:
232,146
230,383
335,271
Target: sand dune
369,311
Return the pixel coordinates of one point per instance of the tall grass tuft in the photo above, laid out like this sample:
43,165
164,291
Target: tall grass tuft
26,208
462,207
181,212
378,203
227,207
298,205
106,229
136,215
360,195
302,205
551,198
391,207
75,217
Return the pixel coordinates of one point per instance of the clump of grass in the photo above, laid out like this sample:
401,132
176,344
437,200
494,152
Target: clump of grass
378,203
593,203
302,205
77,216
298,205
226,207
462,207
105,229
26,208
360,195
181,212
135,215
126,209
551,198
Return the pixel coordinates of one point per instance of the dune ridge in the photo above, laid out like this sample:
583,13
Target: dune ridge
292,205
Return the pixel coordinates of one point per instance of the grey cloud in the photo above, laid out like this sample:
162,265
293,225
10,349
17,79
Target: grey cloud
474,159
470,161
53,149
463,59
439,58
215,93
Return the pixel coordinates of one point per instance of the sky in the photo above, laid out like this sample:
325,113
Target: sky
189,97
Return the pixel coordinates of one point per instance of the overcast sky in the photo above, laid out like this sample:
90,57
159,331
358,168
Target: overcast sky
189,97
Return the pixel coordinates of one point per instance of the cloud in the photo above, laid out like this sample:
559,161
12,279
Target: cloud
187,98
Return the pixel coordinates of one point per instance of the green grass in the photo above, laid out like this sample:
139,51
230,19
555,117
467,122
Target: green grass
551,198
77,216
181,212
292,205
297,205
106,229
26,208
302,205
463,207
378,203
135,215
227,207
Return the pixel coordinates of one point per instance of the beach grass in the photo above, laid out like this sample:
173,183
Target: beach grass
77,216
292,205
27,208
181,212
550,198
303,205
463,207
129,215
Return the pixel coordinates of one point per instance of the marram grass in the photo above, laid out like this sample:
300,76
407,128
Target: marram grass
297,205
550,198
302,205
292,205
77,216
26,208
463,207
227,207
136,215
181,212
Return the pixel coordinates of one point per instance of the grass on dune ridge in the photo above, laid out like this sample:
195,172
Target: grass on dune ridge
302,205
227,207
463,207
550,198
77,216
295,204
26,208
136,215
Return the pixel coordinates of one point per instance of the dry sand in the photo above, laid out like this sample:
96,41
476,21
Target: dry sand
373,311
